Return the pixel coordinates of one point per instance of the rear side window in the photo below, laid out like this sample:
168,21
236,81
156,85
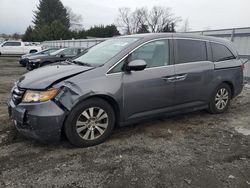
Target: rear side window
221,52
190,50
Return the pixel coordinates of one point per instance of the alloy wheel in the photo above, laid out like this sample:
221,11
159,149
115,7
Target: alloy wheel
221,98
92,123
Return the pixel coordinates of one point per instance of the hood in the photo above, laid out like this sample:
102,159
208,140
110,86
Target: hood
43,77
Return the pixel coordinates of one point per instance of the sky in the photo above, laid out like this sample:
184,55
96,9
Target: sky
16,15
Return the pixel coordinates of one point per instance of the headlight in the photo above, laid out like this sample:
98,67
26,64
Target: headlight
39,96
35,60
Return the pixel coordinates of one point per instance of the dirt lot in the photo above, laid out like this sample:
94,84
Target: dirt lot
193,150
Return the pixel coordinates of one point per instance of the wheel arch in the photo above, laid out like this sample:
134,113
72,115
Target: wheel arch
109,99
230,84
33,51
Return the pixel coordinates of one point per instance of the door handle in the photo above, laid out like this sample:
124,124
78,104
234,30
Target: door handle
170,79
181,77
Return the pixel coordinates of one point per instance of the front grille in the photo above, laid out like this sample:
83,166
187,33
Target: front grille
17,95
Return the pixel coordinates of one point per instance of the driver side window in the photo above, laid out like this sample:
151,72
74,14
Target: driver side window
155,54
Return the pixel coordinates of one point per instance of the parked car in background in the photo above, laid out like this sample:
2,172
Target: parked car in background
25,58
125,80
17,48
59,55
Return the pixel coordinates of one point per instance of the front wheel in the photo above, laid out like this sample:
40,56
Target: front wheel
90,123
220,100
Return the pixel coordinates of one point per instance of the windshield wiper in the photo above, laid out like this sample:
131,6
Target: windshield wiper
81,63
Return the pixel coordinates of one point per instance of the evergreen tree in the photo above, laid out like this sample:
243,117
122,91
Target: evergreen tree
29,35
50,11
101,31
111,30
51,22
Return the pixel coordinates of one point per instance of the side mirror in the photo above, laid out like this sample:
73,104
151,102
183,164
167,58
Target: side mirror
136,65
62,55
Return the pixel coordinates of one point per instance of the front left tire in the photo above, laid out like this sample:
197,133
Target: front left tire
90,123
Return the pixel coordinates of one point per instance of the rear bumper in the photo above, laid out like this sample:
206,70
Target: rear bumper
40,121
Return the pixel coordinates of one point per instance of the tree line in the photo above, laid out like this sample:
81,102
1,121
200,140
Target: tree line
53,21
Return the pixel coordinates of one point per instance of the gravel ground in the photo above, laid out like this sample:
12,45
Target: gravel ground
192,150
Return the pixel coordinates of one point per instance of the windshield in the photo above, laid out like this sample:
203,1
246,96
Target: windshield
57,52
104,51
48,51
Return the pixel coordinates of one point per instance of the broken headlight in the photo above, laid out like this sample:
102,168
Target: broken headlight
39,96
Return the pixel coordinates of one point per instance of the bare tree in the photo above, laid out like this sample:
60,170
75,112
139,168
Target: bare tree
124,20
156,20
160,17
75,19
139,18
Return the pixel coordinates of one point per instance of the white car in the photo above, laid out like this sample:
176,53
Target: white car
17,48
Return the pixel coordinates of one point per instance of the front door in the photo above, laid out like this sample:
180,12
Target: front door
151,90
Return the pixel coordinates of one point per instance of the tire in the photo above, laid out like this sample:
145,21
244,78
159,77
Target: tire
29,67
82,131
220,99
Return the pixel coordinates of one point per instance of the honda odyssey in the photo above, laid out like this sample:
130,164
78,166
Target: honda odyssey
124,80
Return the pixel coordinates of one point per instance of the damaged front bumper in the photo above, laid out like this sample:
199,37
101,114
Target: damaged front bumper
41,121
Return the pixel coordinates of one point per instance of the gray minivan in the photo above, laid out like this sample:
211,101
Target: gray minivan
124,80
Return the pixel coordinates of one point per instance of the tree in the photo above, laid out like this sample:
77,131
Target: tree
111,30
169,28
130,22
124,20
29,35
143,29
103,31
49,11
158,19
75,20
51,22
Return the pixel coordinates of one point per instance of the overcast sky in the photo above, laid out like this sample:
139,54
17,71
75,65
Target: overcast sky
16,15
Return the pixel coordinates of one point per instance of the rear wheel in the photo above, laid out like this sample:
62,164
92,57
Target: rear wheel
220,100
90,123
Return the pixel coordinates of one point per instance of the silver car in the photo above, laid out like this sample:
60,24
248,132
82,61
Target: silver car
125,80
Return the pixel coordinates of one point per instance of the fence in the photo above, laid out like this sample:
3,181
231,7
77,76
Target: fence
86,43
